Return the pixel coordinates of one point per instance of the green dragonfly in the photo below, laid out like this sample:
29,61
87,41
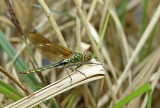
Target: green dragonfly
59,55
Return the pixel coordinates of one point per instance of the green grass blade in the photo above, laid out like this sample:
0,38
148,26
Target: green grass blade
144,24
71,100
149,101
54,11
20,65
122,11
143,89
10,92
150,41
144,17
55,104
103,30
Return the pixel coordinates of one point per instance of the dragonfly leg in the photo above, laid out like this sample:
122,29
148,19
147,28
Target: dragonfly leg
77,70
69,76
80,71
91,63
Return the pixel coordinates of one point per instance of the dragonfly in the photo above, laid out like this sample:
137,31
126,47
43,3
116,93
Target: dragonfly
59,55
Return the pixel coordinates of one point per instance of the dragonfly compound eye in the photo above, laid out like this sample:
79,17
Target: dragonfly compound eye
87,56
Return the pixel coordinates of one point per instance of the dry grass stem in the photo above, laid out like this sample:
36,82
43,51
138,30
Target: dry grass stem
122,35
52,21
139,46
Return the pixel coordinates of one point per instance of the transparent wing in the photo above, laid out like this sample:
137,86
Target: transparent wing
50,50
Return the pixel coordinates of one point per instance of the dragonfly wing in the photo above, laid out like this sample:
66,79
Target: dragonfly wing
49,53
50,50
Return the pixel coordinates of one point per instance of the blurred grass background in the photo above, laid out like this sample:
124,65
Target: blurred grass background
127,23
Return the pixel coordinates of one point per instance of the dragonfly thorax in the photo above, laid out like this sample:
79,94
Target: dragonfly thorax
79,58
76,57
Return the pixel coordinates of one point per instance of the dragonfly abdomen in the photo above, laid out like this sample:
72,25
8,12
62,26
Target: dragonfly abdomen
41,68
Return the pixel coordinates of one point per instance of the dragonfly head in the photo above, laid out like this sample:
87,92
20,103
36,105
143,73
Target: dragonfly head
87,56
77,57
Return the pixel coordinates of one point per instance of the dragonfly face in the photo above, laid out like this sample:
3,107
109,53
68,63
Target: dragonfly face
87,56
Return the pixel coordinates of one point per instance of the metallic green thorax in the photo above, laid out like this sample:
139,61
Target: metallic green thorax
76,59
